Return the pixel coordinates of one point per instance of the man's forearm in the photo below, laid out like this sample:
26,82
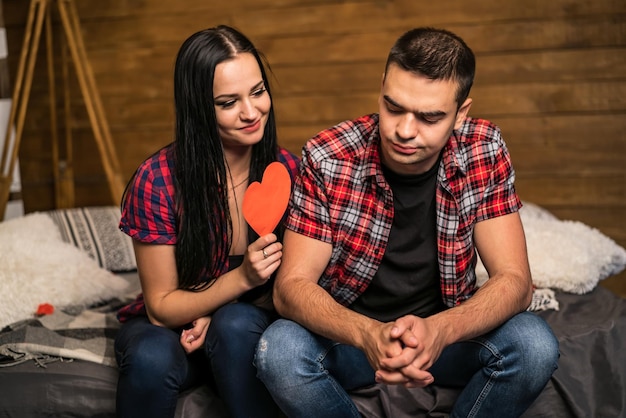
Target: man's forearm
494,303
311,306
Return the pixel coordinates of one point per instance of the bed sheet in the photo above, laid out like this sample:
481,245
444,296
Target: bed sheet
590,381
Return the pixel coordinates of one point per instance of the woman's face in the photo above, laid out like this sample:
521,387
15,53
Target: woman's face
242,103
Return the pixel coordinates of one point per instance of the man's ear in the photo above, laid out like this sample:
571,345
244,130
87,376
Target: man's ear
461,114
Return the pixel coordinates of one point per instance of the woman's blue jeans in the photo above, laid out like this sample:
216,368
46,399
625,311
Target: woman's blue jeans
501,372
154,368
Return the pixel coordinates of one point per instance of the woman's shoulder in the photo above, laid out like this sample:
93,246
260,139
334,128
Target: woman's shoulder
289,160
148,213
157,167
155,173
162,159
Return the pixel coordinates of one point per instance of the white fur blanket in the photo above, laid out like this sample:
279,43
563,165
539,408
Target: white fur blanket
564,255
39,267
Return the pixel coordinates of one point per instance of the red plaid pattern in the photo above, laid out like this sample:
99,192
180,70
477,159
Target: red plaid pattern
341,197
149,211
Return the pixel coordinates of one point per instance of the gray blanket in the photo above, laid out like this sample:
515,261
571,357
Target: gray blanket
590,381
81,334
73,333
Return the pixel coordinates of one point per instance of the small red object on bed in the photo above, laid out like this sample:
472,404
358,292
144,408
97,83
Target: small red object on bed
44,309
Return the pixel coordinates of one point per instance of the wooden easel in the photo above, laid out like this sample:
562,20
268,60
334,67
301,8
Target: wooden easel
38,16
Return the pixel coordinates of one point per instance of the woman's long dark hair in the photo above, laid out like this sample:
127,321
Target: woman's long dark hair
204,223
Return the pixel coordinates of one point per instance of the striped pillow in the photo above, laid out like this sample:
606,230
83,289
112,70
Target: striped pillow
95,231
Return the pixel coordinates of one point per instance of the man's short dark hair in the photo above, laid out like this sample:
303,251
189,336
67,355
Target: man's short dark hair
437,54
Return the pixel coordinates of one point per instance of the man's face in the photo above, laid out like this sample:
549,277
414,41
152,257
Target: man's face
417,116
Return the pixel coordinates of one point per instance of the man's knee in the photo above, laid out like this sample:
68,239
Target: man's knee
278,347
276,335
537,346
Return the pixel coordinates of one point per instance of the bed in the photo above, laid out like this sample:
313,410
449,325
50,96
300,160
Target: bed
66,272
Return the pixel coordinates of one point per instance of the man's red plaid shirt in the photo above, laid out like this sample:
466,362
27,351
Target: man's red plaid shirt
341,197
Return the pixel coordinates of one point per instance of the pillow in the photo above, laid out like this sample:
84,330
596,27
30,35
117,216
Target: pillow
565,255
39,267
95,231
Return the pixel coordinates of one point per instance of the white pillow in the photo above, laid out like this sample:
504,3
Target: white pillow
37,266
565,255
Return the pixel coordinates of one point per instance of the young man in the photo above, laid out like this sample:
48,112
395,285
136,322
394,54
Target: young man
377,280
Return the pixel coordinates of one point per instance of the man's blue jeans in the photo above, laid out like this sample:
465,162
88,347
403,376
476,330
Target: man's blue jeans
502,372
154,368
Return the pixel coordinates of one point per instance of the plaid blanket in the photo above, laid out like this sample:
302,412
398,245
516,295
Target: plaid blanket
67,334
79,333
88,334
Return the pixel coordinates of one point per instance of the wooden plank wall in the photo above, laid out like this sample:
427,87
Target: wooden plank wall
552,74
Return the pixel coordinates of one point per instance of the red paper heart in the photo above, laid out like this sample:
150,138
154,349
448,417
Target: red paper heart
265,203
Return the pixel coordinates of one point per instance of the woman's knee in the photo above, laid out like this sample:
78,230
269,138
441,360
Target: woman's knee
239,318
151,355
235,330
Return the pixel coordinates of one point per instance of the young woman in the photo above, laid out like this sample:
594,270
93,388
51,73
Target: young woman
205,276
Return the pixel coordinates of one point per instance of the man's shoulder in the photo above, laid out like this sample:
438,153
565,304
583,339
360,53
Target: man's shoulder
344,139
478,143
475,139
478,130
